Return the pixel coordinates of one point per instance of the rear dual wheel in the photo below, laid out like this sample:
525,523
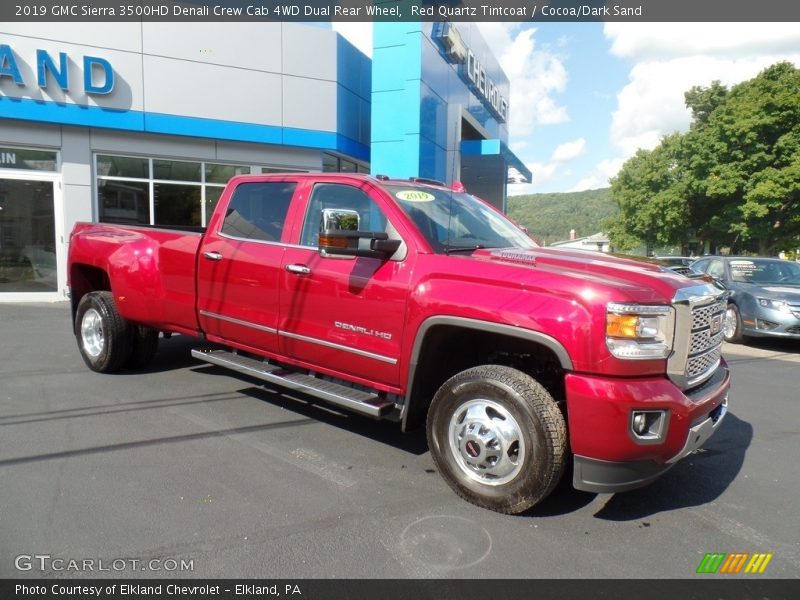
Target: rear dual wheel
107,342
498,438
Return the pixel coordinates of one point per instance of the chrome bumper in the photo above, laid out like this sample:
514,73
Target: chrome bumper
699,434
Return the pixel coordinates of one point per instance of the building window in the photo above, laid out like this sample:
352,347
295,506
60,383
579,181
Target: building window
28,160
334,164
155,191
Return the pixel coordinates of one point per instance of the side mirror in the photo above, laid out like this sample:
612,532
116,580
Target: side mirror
339,219
340,236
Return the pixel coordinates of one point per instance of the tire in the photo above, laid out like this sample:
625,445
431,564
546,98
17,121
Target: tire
732,325
103,335
144,345
497,438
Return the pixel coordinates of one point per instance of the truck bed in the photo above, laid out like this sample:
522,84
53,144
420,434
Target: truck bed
151,270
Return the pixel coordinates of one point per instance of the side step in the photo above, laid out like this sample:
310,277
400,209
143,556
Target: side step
366,403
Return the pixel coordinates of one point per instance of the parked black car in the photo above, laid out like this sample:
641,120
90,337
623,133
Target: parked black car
764,295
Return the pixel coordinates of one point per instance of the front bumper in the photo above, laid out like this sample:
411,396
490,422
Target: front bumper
608,457
767,322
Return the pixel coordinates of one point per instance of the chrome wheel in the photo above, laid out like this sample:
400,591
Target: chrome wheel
487,442
731,324
92,335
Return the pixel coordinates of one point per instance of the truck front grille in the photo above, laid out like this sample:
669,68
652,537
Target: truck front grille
705,343
697,345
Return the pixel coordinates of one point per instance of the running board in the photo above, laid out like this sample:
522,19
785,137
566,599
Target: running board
366,403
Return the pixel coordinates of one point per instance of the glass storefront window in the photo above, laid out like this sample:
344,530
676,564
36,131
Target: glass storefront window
27,236
124,186
125,202
175,170
176,204
347,166
330,163
213,194
28,160
123,166
222,173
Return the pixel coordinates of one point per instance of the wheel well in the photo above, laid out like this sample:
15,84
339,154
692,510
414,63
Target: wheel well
84,279
447,350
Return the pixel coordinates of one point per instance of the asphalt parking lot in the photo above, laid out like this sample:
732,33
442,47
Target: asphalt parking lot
186,461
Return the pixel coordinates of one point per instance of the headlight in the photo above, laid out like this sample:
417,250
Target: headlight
774,304
639,331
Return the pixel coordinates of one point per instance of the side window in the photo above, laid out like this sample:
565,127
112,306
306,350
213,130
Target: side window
336,195
257,211
716,269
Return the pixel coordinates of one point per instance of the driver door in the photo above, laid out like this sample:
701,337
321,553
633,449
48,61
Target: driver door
342,313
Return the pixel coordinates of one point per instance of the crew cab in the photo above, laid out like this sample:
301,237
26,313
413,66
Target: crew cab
420,303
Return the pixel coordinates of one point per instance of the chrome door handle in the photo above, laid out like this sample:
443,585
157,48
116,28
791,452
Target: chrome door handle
298,269
213,255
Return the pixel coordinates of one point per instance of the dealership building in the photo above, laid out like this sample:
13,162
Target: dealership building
146,122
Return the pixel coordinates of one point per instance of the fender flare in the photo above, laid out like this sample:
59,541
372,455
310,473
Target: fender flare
545,340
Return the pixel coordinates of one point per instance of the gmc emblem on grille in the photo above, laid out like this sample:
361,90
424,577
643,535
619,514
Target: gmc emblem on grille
716,324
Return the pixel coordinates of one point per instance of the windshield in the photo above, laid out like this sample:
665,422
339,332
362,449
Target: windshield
453,222
765,272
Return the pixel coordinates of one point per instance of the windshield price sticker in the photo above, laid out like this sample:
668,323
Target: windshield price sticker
415,196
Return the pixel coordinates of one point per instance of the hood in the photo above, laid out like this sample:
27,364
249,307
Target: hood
775,291
635,278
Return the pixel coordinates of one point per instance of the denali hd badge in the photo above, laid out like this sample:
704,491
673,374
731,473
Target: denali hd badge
359,329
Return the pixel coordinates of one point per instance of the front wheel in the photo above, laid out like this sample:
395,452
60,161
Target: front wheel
103,335
732,326
497,437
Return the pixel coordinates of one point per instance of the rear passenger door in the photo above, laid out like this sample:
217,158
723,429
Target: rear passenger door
239,265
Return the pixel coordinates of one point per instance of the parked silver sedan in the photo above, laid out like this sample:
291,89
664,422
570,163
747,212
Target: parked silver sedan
764,299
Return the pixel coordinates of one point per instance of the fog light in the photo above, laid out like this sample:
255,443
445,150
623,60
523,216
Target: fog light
639,423
766,325
648,426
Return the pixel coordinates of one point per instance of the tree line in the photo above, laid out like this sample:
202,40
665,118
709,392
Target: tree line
549,217
732,180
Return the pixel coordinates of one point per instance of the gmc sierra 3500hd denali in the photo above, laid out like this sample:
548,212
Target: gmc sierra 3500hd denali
411,301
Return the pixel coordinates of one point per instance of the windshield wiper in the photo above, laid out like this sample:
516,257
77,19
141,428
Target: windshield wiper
454,249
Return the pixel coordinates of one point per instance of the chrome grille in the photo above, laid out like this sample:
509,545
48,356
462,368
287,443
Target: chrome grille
705,343
702,364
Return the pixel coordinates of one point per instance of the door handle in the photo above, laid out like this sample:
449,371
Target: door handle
298,269
212,255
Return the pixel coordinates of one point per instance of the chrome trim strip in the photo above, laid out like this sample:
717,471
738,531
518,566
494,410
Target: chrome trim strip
211,315
227,236
364,353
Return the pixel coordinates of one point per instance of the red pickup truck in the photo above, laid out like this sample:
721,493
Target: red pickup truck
415,302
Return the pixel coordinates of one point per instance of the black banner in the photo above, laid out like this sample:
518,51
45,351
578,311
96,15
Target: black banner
401,10
734,588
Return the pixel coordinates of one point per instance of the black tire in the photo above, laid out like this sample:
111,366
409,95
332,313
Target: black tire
734,336
105,326
144,345
512,400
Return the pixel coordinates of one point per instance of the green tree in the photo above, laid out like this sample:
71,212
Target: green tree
744,164
650,193
702,101
732,179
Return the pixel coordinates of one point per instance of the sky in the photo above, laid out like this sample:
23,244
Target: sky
586,96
